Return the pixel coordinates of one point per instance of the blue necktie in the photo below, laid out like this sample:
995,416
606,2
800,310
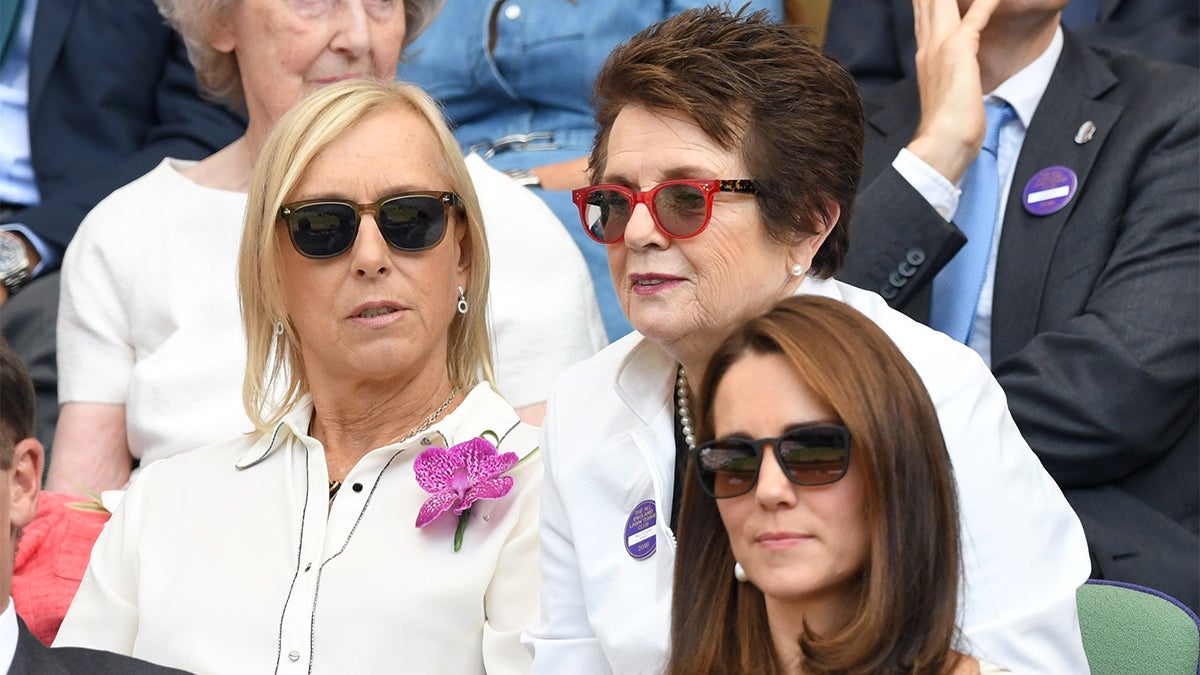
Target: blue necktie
956,288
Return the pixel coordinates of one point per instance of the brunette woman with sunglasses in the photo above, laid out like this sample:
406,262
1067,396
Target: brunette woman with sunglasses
382,517
819,527
724,170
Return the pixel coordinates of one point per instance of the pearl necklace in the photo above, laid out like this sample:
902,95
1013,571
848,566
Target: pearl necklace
683,400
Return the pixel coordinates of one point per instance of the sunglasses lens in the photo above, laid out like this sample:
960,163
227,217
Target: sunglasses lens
322,230
727,467
413,223
605,215
815,456
682,209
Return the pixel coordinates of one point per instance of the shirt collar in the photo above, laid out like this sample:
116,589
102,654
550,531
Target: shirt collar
481,403
1024,90
8,636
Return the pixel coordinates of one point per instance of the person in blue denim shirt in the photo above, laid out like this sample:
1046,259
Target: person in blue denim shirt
515,77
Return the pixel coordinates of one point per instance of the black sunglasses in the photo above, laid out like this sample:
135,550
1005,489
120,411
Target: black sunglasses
816,454
408,221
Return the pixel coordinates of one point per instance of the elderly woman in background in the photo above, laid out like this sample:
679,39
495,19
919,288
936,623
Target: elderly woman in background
726,164
150,343
363,283
819,528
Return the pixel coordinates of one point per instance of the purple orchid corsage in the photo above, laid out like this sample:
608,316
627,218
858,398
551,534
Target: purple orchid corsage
458,476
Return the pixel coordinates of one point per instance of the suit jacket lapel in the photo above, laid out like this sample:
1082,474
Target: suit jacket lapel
49,32
1027,242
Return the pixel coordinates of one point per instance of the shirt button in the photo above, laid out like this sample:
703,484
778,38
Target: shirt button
293,656
512,12
357,487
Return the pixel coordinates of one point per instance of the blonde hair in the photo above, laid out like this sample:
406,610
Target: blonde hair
217,72
275,374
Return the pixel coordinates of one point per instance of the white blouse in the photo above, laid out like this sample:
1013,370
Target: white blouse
229,559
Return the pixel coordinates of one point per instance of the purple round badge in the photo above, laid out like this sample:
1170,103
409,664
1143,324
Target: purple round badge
1049,190
639,530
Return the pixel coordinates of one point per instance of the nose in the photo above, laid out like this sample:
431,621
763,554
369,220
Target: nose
641,232
352,36
370,255
773,490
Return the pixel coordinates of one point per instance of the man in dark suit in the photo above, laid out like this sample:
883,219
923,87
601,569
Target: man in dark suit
1089,304
20,478
109,93
874,39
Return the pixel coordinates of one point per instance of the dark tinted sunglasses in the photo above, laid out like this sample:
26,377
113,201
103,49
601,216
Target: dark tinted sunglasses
408,221
818,454
680,208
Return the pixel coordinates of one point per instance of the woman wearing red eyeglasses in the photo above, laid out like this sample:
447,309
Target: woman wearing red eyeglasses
724,172
819,527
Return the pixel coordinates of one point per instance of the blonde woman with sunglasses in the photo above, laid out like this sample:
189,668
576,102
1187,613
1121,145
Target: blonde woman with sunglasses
382,517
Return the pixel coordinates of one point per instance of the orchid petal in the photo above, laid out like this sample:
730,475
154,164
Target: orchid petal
435,467
436,506
494,488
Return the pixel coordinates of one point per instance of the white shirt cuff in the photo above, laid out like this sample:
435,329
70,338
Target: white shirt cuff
941,194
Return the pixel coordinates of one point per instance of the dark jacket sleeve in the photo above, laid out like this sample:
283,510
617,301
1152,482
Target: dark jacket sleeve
119,97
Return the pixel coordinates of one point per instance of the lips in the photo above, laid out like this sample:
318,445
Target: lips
781,539
338,78
653,282
374,312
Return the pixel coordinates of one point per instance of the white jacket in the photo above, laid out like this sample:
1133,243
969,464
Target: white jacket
608,446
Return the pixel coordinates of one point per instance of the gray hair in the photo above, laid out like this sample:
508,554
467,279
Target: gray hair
217,72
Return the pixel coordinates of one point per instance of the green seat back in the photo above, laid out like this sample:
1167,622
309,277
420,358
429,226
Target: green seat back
1130,629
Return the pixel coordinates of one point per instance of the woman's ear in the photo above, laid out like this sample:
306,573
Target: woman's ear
805,247
220,34
462,242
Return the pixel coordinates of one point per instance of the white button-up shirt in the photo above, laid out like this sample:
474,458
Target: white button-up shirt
230,559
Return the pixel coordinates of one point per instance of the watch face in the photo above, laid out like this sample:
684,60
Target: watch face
12,253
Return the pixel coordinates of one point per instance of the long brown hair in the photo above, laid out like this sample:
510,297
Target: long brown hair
904,614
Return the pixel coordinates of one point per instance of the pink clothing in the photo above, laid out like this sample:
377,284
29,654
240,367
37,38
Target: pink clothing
52,555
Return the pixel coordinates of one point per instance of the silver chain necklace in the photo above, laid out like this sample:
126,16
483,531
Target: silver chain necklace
335,485
683,400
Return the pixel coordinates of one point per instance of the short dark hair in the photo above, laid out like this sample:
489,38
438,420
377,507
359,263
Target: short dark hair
903,619
17,405
761,88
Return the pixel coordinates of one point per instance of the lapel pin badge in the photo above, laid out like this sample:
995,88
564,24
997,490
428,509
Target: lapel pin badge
1049,190
1085,133
639,530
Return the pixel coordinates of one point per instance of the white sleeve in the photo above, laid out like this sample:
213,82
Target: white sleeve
104,613
96,355
543,314
564,642
510,602
1024,551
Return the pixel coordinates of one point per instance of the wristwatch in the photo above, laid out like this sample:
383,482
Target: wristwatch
525,177
14,262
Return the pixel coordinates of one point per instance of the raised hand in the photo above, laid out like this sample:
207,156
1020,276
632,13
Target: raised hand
952,125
